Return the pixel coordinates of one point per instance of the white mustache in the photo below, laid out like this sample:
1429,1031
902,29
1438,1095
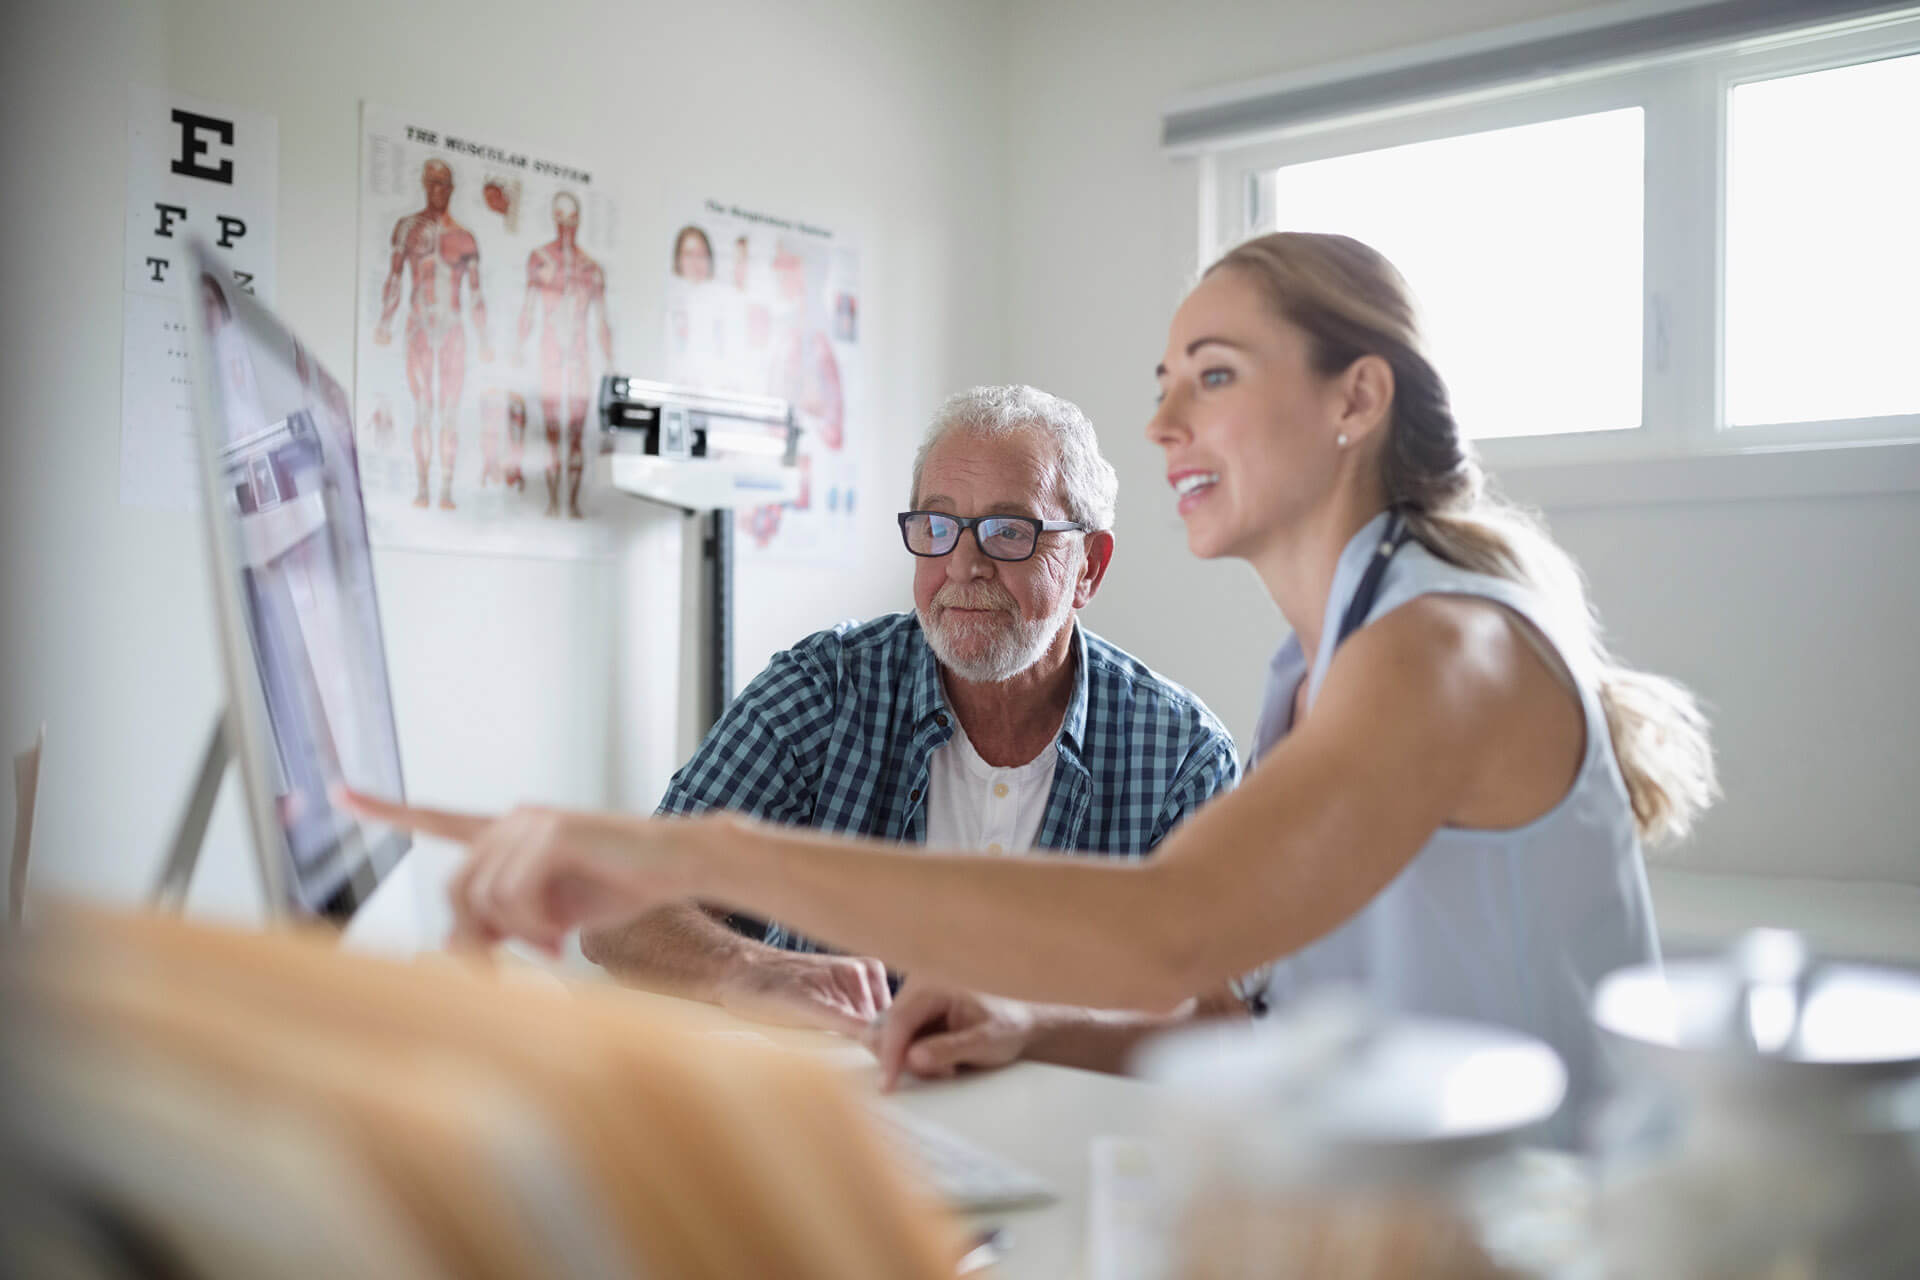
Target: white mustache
960,600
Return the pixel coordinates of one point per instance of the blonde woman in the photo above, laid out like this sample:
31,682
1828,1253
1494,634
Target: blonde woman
1455,778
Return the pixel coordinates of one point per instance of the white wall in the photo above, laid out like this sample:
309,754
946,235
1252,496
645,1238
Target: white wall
1798,620
513,678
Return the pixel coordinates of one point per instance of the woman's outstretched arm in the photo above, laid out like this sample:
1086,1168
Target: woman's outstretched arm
1407,714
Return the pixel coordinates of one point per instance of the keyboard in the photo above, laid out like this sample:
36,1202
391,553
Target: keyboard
965,1176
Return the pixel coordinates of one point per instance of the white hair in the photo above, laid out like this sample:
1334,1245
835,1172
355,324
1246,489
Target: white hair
1088,484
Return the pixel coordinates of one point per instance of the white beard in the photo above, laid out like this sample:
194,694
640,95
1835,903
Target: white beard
1013,648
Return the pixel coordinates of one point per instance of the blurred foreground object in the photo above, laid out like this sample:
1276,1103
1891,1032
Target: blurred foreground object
1336,1141
1769,1119
187,1100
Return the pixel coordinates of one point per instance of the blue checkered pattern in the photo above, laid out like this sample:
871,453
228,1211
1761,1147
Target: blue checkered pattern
838,731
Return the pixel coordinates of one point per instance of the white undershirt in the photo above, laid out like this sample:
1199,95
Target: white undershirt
974,805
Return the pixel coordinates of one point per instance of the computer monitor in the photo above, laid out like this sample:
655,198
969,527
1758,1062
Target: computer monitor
308,704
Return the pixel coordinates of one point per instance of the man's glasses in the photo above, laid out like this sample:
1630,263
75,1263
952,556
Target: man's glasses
934,533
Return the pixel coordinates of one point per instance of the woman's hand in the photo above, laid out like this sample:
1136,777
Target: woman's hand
538,874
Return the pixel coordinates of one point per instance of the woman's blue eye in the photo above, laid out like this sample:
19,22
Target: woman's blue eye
1216,377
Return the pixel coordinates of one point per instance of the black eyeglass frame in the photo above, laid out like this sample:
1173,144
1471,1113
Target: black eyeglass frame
974,522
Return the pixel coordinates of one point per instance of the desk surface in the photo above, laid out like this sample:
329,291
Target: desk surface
1042,1117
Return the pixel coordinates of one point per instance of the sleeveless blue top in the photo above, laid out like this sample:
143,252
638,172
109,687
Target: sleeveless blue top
1515,926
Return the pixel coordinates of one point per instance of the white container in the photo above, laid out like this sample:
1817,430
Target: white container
1767,1124
1329,1142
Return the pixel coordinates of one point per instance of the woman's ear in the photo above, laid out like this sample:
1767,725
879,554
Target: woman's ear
1366,397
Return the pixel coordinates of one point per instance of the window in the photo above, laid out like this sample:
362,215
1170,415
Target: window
1823,245
1707,253
1540,221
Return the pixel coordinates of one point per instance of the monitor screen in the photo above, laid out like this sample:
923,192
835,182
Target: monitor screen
295,576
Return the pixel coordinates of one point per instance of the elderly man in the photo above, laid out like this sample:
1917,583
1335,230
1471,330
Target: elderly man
987,718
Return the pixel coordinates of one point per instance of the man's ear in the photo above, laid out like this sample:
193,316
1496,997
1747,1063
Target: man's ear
1099,555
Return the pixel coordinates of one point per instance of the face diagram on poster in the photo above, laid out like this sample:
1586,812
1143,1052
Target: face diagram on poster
769,305
485,323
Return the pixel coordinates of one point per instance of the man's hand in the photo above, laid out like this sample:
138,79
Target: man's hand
832,993
934,1031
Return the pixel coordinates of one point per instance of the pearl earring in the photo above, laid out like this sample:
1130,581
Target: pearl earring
1341,439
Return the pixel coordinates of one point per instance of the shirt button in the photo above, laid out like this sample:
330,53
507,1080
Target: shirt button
1000,790
940,718
914,794
995,848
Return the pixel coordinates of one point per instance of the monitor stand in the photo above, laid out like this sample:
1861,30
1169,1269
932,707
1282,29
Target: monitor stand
169,892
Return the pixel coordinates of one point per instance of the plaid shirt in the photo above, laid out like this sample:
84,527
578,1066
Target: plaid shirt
838,733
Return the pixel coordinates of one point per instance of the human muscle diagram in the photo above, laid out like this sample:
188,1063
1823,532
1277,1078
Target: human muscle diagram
444,261
452,221
566,299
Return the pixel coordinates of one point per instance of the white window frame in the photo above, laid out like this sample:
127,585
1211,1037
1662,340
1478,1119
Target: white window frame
1683,447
